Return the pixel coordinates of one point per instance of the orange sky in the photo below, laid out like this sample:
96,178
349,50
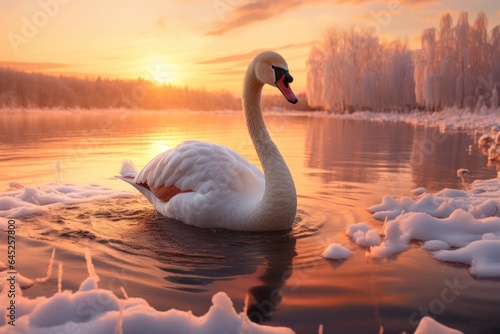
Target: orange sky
199,43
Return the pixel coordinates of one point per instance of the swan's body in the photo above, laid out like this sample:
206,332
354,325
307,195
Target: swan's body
210,185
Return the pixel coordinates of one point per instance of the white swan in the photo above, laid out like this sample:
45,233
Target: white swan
210,185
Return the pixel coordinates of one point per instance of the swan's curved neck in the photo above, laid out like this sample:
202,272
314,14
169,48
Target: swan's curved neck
278,205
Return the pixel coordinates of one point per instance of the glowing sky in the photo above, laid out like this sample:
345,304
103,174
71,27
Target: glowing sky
199,43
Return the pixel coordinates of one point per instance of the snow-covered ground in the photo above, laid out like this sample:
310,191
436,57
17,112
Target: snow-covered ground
482,119
449,118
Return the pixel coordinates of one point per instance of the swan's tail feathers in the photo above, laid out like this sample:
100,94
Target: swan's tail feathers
128,172
128,169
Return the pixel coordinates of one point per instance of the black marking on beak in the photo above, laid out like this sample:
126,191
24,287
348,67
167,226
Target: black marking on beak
279,73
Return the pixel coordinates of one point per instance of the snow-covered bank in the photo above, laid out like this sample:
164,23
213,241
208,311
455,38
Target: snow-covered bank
457,226
449,118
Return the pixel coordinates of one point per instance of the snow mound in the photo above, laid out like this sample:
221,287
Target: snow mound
336,252
481,255
20,280
363,235
430,326
32,201
395,241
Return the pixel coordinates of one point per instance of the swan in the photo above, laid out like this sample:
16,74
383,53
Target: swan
210,185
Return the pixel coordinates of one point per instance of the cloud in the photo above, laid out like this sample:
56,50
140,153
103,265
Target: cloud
249,55
261,10
254,11
31,66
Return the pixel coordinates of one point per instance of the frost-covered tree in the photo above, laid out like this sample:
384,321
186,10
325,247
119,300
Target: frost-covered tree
354,71
457,65
315,72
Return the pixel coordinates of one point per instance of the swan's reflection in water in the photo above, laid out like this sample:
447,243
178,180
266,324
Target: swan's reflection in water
264,298
193,258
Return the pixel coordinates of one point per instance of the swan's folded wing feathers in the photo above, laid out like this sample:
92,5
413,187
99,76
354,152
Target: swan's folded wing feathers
201,167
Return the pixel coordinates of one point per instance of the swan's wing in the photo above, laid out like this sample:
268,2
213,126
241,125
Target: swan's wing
200,167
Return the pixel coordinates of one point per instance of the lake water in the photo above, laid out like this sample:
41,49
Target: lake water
340,168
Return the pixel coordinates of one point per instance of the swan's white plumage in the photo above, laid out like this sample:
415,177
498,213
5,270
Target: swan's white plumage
210,185
219,186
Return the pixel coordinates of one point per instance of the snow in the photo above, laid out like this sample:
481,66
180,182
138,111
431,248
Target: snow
363,235
27,201
450,118
21,281
95,310
434,245
430,326
481,201
466,220
481,255
395,241
336,252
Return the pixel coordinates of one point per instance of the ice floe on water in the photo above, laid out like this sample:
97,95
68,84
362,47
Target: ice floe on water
363,235
455,225
429,325
26,201
336,252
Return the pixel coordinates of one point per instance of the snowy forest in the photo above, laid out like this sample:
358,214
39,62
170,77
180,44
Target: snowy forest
457,65
36,90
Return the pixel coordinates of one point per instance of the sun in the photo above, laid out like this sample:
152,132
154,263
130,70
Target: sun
161,73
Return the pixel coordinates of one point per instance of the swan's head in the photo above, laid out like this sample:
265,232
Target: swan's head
272,69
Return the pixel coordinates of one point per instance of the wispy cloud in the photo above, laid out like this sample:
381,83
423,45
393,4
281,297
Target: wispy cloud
248,55
256,11
262,10
31,66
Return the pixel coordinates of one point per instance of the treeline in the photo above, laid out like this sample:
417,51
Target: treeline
456,66
20,89
35,90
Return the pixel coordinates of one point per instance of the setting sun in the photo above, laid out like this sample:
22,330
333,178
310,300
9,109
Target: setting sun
162,74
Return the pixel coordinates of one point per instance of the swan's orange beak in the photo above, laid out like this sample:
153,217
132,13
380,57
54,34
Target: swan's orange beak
284,86
283,80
